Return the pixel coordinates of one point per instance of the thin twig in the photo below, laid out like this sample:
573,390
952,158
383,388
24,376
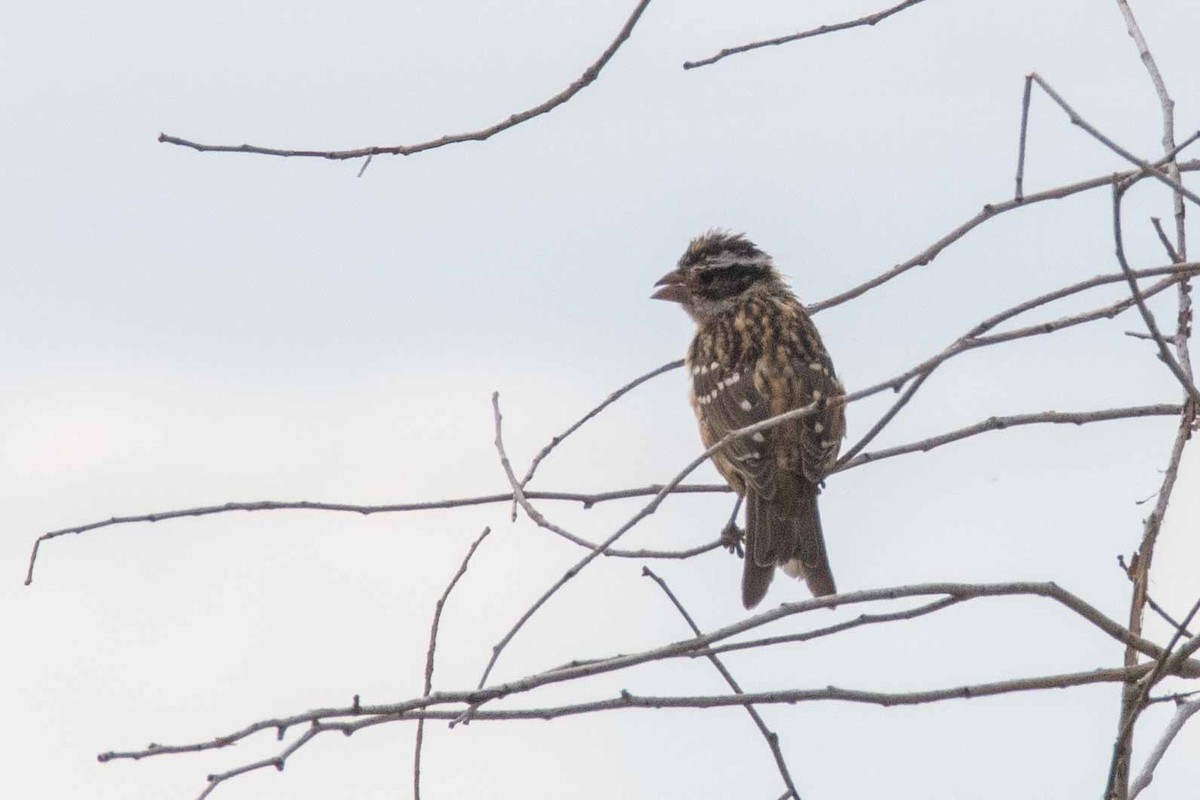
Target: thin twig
1150,169
870,19
1182,715
589,75
612,398
990,211
974,338
1166,243
586,499
1164,352
646,511
1150,601
771,737
1013,421
1133,702
434,625
805,636
1019,193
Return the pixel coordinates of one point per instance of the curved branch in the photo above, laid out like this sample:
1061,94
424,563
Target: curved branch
589,75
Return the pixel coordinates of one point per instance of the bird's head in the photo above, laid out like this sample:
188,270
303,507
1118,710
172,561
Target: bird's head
717,269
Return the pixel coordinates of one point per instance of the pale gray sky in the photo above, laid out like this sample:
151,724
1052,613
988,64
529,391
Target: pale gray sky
189,329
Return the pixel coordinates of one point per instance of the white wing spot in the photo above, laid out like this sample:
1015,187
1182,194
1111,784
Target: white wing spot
816,394
714,366
703,370
818,427
758,437
815,366
733,378
695,370
746,405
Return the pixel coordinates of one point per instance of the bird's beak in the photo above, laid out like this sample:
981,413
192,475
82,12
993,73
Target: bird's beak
672,288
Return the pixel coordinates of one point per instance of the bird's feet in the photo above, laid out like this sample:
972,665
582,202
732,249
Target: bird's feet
731,538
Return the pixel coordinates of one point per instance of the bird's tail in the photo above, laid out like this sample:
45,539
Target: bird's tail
791,540
809,559
758,567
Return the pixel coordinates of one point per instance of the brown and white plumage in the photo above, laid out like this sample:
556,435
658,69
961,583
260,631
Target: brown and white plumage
755,355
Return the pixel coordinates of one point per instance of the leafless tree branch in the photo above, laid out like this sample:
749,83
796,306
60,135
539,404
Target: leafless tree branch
1013,421
870,19
990,211
646,511
589,75
1153,170
1164,351
1179,663
612,398
1182,714
586,499
434,625
770,736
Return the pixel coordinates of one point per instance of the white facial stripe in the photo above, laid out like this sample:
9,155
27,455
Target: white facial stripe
729,259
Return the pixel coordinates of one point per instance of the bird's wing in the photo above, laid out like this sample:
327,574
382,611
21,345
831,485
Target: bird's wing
726,400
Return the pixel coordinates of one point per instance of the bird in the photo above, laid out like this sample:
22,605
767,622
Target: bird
756,354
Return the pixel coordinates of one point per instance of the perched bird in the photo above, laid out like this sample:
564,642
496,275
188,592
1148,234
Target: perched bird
756,355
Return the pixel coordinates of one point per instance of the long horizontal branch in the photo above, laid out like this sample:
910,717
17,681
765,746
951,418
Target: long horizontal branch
1178,664
370,716
588,500
589,75
585,498
1013,421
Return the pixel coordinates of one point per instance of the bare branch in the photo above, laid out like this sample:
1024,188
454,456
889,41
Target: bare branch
646,511
1131,573
1166,243
771,737
612,398
973,340
369,715
1026,96
1016,420
434,625
870,19
1182,715
989,211
587,499
1135,695
860,621
1163,351
1150,169
589,75
1177,664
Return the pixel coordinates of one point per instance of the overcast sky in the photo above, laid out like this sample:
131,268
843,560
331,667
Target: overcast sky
186,329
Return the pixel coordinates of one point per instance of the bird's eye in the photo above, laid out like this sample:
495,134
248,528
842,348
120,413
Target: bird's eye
706,277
